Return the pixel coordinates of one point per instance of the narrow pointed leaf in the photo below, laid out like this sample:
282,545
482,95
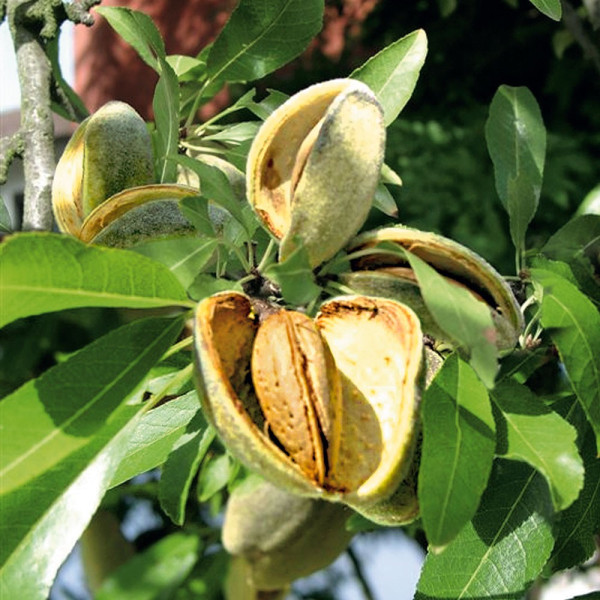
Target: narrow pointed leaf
64,434
45,272
182,465
550,8
186,257
138,30
504,548
464,319
580,523
155,573
573,322
261,36
152,439
166,116
531,432
458,450
516,140
393,73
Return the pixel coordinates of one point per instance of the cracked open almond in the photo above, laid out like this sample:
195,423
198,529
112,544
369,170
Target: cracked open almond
325,407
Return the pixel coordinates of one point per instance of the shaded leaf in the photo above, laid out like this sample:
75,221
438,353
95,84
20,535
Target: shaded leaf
516,140
181,466
458,450
166,118
393,72
574,326
156,573
295,277
64,434
5,220
550,8
186,256
261,36
45,272
384,201
195,210
215,475
531,432
504,548
206,285
465,319
138,30
216,187
578,525
153,437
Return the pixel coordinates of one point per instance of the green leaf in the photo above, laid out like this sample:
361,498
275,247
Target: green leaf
156,573
64,434
5,220
186,257
215,475
195,210
152,439
531,432
166,117
295,277
384,201
465,319
138,30
578,525
393,72
75,109
550,8
182,64
504,548
261,36
578,244
216,187
458,450
45,272
574,326
206,285
181,466
516,140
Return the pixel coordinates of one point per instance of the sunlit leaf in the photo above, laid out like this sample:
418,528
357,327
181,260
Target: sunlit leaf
458,450
531,432
465,319
384,201
155,573
393,72
138,30
45,272
166,118
261,36
182,465
154,435
516,140
214,476
573,322
504,548
64,434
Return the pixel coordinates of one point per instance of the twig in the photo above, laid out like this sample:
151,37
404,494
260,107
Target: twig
364,584
11,147
574,24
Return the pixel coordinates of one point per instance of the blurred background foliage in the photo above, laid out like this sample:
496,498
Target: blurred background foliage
437,145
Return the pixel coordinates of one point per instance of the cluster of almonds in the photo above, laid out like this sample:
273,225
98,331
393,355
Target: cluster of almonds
325,409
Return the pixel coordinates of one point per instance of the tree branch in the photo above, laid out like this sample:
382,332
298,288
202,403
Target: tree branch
11,147
32,25
37,127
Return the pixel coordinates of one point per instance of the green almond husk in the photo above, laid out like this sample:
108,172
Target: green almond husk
389,276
